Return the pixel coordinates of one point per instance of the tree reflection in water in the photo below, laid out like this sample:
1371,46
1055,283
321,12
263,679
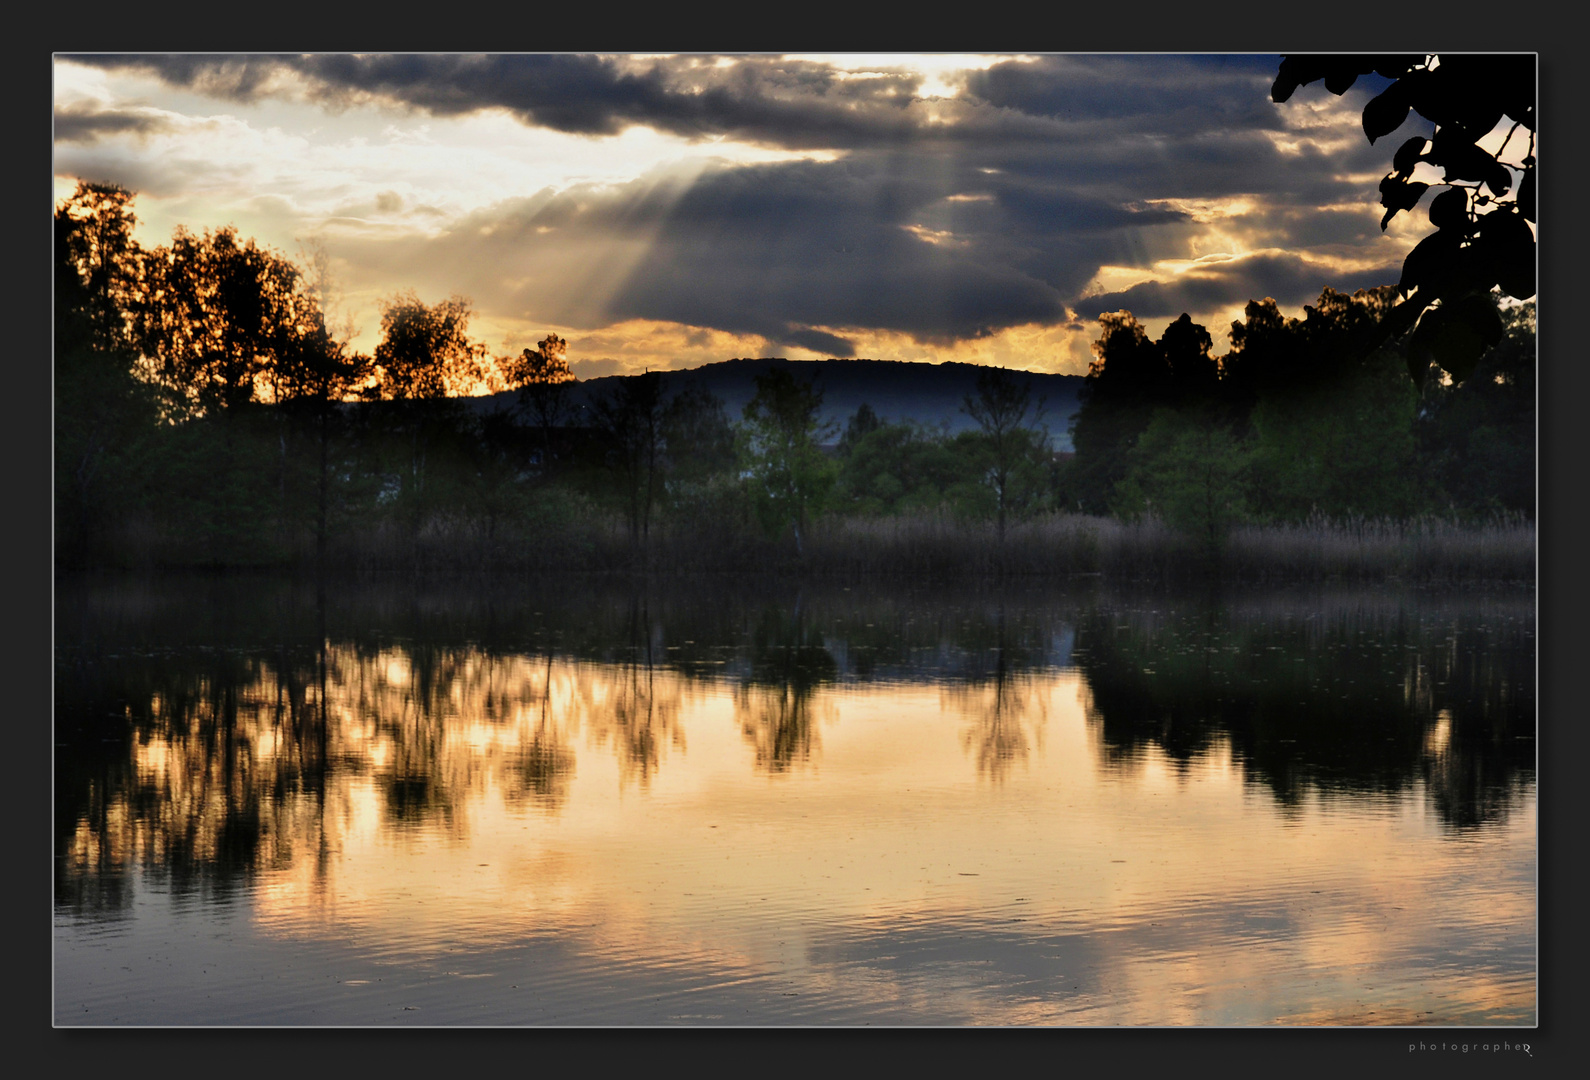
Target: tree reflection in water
778,705
1356,698
632,708
540,771
204,735
1000,706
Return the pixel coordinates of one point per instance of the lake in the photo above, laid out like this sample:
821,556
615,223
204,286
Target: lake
720,802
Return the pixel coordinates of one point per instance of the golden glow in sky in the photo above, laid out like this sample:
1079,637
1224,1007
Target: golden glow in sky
692,208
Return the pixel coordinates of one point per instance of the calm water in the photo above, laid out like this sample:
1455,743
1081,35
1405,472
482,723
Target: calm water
718,804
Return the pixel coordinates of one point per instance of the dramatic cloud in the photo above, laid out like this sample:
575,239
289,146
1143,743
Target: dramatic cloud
799,204
83,123
1288,279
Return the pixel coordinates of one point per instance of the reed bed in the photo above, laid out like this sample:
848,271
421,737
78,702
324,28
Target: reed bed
930,546
939,546
1427,549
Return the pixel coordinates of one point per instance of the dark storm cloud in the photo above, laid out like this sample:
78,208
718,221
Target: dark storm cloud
776,249
796,251
1288,279
85,123
1355,225
942,219
1186,93
792,103
817,341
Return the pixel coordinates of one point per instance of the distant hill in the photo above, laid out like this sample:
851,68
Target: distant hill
930,394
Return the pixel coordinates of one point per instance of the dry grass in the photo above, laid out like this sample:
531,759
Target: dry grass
922,546
1425,549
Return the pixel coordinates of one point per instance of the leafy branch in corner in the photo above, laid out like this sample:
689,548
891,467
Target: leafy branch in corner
1483,239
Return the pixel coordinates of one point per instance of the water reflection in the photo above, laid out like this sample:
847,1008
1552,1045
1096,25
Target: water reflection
1352,698
1001,707
453,767
776,701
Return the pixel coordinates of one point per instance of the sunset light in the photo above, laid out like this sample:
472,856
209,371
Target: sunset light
813,540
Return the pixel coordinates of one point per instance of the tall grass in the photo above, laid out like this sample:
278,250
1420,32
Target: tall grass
569,535
939,546
1428,548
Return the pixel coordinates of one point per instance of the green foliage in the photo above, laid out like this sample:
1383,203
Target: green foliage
1343,448
789,476
701,457
218,430
861,424
629,420
1006,415
1190,471
1477,439
890,469
1306,418
1130,379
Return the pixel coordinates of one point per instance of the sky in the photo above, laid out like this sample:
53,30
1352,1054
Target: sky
671,211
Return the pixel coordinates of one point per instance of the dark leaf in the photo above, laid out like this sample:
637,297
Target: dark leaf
1425,91
1407,155
1462,160
1514,77
1418,368
1469,88
1399,318
1456,336
1429,262
1450,209
1395,66
1510,245
1341,80
1526,194
1477,312
1398,194
1386,111
1295,71
1497,178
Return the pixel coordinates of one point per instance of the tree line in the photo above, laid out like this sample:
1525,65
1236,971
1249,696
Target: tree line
1303,418
208,409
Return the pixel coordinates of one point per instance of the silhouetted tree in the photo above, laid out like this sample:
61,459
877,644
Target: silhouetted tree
902,467
1300,418
1193,371
99,264
217,316
861,424
1478,438
425,351
313,381
1004,410
543,377
700,450
629,418
1190,470
1127,380
424,359
105,417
